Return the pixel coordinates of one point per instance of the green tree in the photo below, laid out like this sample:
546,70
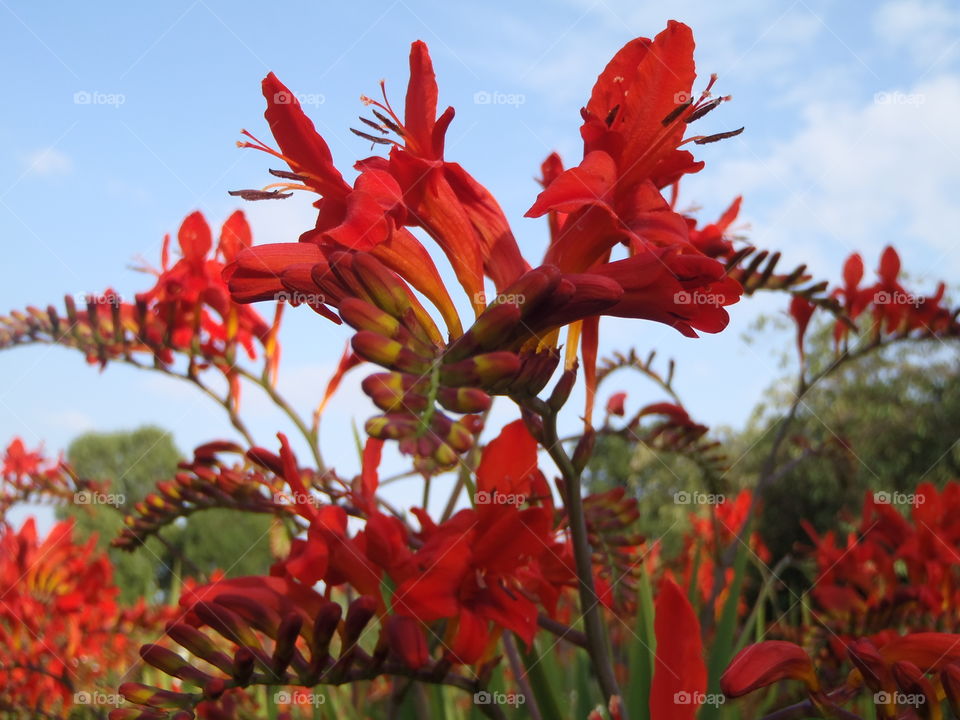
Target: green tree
131,463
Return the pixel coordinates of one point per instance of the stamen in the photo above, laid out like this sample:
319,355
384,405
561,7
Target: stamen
287,175
703,110
398,129
259,194
705,139
676,112
374,139
371,123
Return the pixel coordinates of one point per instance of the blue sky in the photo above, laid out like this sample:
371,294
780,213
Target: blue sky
118,119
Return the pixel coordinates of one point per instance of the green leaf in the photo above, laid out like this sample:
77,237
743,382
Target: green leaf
544,691
641,652
721,651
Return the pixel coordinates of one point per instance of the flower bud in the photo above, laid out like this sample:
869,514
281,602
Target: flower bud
154,697
227,623
407,642
243,663
172,664
199,645
464,399
950,679
481,370
286,644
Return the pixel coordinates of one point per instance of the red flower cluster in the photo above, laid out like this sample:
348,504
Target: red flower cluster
61,631
27,475
633,125
190,298
893,310
892,571
483,569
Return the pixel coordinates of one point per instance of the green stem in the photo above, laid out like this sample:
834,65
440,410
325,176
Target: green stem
597,645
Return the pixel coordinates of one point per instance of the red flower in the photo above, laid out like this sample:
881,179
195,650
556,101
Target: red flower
765,663
801,310
468,570
712,239
18,461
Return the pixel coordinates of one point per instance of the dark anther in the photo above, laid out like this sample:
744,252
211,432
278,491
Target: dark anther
287,175
260,194
372,138
676,112
371,123
612,115
719,136
388,122
703,110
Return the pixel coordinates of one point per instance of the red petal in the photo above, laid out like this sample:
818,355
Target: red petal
765,663
302,147
680,669
421,104
508,461
853,271
889,265
586,184
195,238
235,235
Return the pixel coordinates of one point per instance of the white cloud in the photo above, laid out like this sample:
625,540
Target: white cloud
857,178
928,31
48,162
